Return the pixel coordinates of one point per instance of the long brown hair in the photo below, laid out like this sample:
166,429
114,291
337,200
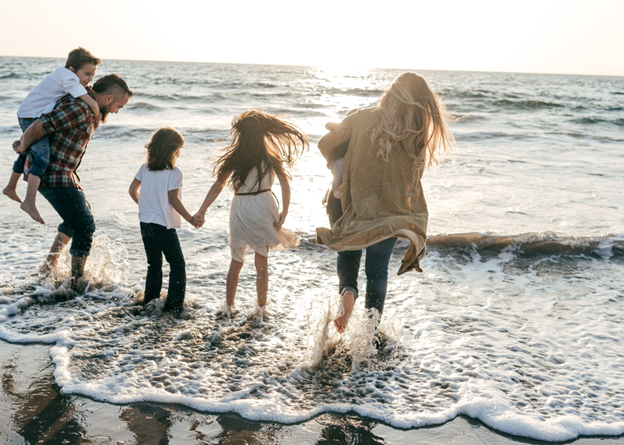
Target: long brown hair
259,141
162,149
412,118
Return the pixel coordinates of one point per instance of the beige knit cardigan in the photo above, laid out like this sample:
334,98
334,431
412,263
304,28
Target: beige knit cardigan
380,199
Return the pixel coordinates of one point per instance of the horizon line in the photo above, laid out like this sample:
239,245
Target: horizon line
320,66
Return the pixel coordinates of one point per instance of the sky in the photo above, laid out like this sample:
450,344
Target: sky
545,36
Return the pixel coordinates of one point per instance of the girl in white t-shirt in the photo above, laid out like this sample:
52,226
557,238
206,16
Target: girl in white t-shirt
262,147
160,208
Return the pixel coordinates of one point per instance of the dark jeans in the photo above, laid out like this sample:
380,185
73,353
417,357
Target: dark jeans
376,268
157,240
78,223
39,153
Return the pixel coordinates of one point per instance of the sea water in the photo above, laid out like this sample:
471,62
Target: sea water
517,319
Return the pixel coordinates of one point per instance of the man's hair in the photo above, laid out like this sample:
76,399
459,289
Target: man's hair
80,57
112,84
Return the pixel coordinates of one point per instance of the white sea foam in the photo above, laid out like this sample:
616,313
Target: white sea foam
520,331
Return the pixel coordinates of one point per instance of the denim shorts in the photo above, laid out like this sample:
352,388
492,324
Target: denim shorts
39,153
78,223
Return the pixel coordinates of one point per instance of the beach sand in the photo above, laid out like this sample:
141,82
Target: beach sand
33,411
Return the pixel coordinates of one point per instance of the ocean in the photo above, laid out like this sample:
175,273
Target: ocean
517,319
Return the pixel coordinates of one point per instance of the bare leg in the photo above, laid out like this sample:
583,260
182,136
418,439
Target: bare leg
232,281
11,189
262,278
58,245
77,270
348,301
31,194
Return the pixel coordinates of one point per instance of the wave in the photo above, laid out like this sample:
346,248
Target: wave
585,136
134,133
143,106
526,104
9,129
467,94
598,120
469,118
531,244
492,135
355,91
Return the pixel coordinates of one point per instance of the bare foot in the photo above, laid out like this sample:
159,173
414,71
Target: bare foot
79,284
227,311
11,194
32,211
46,268
348,301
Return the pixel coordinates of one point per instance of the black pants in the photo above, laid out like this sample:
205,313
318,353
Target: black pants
157,240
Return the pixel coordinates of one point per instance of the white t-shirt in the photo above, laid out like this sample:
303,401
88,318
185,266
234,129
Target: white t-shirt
154,204
43,97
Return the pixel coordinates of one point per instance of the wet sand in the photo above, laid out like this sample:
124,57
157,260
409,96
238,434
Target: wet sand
33,411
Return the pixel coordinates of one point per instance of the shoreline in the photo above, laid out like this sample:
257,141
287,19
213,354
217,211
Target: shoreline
33,409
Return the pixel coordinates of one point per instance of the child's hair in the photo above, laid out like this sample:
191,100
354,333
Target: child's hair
260,141
412,117
80,57
162,149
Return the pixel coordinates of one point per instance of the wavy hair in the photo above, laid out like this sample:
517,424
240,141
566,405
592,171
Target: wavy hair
263,142
413,118
163,148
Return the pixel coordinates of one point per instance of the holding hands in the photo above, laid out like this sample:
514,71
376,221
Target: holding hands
197,221
336,128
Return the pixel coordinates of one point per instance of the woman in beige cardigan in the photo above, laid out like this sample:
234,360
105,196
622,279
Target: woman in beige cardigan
381,194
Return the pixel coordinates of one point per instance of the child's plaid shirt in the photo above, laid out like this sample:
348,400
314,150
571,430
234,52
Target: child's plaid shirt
69,127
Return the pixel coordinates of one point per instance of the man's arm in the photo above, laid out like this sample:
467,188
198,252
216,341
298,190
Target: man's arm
30,136
67,115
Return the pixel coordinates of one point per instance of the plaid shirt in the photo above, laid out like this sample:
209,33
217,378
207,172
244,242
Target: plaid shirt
69,127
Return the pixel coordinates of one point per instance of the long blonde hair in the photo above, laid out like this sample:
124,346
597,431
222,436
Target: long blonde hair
412,118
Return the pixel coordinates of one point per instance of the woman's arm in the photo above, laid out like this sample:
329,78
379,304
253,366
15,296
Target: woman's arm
134,190
212,194
174,200
283,180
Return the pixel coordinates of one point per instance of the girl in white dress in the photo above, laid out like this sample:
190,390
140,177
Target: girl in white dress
262,147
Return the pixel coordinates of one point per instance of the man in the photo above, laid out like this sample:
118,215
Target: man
70,127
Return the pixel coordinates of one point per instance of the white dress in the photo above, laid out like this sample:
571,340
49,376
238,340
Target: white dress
252,218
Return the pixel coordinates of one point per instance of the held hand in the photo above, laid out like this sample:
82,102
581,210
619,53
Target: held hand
17,145
339,130
197,220
336,128
278,225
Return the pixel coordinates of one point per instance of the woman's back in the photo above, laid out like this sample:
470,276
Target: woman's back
251,182
380,198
